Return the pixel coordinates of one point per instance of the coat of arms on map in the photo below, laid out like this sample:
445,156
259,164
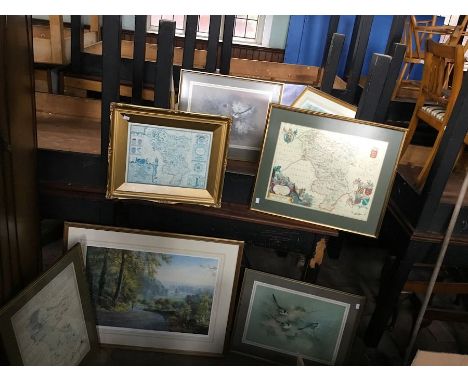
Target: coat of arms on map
326,170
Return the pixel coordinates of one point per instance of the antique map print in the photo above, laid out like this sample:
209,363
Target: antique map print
168,156
326,171
50,329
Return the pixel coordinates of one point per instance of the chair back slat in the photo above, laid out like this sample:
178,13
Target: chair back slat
164,84
213,39
191,25
139,53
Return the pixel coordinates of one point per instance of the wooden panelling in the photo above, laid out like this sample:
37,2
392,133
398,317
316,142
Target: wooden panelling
19,220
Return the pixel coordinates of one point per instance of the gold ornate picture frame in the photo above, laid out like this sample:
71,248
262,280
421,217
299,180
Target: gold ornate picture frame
316,100
166,156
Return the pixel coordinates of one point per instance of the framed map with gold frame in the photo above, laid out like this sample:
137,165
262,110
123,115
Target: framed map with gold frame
327,170
166,156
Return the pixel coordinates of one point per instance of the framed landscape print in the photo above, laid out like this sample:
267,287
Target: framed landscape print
244,100
51,322
326,169
283,320
166,156
316,100
160,291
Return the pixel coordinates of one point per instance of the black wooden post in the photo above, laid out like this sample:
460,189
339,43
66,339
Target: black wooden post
331,66
139,53
352,45
332,28
356,56
111,36
370,97
396,31
213,39
164,80
191,25
76,43
226,50
398,53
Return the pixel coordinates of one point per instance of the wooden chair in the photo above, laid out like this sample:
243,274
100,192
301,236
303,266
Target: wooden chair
435,101
415,36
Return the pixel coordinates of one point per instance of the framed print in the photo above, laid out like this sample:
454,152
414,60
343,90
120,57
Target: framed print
160,291
316,100
51,322
166,156
283,320
325,169
245,100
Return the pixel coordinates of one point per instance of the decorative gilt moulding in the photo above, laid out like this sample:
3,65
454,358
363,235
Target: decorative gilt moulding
166,156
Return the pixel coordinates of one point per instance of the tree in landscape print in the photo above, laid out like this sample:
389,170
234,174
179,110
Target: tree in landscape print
153,291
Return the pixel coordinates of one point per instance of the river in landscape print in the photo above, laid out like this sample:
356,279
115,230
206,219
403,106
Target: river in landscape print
151,291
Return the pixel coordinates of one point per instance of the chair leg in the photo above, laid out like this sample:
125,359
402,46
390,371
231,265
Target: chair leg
427,166
411,129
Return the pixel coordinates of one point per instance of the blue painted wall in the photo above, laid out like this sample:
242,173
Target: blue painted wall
306,39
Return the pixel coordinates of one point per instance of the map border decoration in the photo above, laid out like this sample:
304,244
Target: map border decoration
328,97
235,155
337,117
118,188
356,309
74,255
234,290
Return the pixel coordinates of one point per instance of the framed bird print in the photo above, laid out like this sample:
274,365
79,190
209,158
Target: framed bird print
245,100
282,320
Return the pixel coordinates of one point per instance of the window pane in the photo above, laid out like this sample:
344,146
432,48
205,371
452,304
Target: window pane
241,16
203,23
239,30
251,30
179,19
155,20
253,17
167,17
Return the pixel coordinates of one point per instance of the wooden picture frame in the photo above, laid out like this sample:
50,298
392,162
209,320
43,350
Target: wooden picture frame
176,292
166,156
283,321
51,322
315,100
328,170
246,100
